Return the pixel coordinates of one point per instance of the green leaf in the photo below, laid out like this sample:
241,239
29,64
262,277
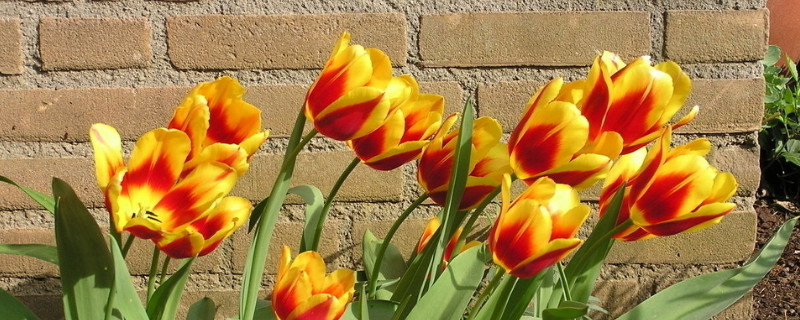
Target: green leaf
523,293
314,202
450,294
704,296
264,311
43,199
566,310
39,251
495,305
125,300
792,68
84,260
165,300
377,309
258,210
772,56
392,267
12,309
203,309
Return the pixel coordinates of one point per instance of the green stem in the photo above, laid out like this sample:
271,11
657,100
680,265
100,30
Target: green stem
296,149
499,273
329,201
151,279
127,246
373,278
563,278
462,239
621,227
164,270
110,303
257,253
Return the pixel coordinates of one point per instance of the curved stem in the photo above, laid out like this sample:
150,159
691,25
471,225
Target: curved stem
127,246
563,277
373,278
151,279
329,200
486,292
164,270
296,149
462,239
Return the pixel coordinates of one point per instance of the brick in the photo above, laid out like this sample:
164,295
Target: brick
617,296
725,106
530,38
87,43
278,41
227,301
693,36
740,310
37,174
506,100
10,47
742,163
732,240
153,108
321,169
285,234
22,265
451,91
65,115
45,306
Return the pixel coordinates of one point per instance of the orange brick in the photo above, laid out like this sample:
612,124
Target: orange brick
321,169
693,36
725,106
37,174
285,234
22,265
87,43
278,41
65,115
530,38
10,47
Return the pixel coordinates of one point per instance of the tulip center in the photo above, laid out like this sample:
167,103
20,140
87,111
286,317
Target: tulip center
148,215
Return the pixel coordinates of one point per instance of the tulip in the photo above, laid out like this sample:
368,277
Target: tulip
304,291
538,228
186,215
354,94
430,229
222,127
669,191
488,163
404,134
547,141
627,105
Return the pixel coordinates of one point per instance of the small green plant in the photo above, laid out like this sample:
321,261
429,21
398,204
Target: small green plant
780,130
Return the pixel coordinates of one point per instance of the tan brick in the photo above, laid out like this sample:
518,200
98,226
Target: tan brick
37,174
141,253
227,301
531,38
280,105
732,240
617,296
153,108
321,169
451,91
740,310
86,43
10,47
46,306
285,234
742,163
715,36
22,265
278,41
506,100
65,115
725,106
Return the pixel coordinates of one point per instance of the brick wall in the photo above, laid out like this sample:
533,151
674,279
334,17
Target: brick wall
67,64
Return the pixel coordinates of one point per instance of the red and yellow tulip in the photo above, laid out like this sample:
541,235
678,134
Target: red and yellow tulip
221,126
488,162
304,291
547,141
354,94
669,191
538,228
430,229
185,213
404,134
627,105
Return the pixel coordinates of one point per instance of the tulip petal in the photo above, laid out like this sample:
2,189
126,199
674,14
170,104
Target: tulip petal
397,156
231,119
724,188
702,218
312,264
107,153
192,196
291,290
682,87
553,252
430,228
355,114
340,283
252,143
567,224
192,116
318,307
385,137
185,244
229,154
349,68
224,218
582,172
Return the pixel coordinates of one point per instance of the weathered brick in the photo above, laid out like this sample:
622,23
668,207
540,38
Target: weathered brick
321,169
88,43
506,100
715,36
153,107
451,91
65,115
10,47
740,310
22,265
278,41
742,163
725,106
732,240
285,234
530,38
37,174
45,306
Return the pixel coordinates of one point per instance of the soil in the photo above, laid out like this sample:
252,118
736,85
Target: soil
777,297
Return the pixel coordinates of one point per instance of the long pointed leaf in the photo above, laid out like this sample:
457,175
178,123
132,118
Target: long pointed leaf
42,252
314,200
126,300
43,199
704,296
203,309
165,300
84,260
392,267
376,309
12,309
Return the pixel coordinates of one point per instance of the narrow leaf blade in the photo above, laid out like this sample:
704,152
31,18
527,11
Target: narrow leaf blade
203,309
42,252
43,199
126,300
315,201
12,309
165,300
